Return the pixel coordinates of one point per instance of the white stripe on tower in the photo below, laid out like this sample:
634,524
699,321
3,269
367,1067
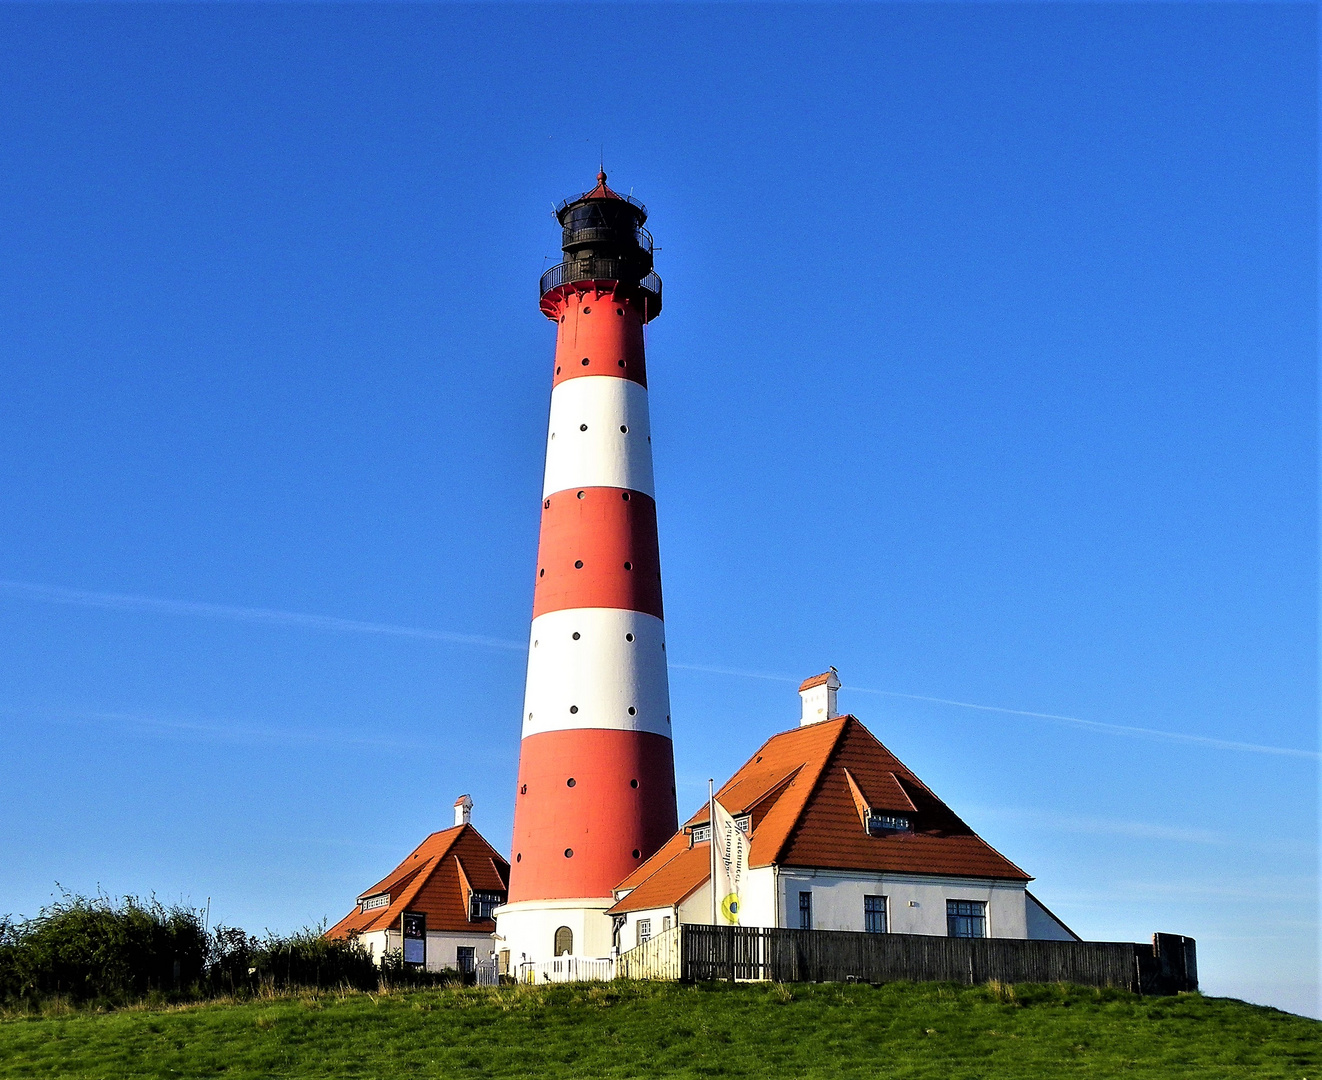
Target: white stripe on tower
599,436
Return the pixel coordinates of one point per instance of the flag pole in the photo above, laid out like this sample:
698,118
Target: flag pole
711,831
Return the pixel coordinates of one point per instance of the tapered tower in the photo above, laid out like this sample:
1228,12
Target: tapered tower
596,787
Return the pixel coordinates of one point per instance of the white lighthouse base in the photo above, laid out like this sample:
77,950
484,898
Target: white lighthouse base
527,930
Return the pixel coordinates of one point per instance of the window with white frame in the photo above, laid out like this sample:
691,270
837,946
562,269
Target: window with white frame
379,901
644,930
874,914
966,918
881,823
665,923
482,904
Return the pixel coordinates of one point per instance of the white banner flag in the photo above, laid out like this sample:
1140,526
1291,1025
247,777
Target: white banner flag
730,862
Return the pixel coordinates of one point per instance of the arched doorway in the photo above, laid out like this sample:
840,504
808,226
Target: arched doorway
564,941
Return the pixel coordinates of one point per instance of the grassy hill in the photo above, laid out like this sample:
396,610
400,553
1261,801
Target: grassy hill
663,1030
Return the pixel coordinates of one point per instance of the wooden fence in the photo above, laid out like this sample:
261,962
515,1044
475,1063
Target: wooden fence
731,953
658,958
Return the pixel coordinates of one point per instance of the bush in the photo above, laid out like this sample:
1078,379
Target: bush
105,951
99,949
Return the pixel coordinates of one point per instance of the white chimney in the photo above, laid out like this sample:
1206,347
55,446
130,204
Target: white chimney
463,808
818,696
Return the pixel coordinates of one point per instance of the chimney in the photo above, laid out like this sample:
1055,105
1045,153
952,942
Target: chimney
463,807
818,696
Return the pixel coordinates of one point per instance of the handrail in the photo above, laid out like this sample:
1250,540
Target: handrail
579,198
591,233
566,273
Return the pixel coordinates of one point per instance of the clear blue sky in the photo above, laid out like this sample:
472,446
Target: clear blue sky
987,374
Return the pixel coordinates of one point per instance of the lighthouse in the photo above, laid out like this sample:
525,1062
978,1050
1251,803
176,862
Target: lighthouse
595,793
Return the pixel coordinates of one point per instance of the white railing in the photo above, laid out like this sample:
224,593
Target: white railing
567,969
487,973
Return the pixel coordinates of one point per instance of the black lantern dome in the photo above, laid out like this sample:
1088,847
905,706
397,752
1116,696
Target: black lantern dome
604,242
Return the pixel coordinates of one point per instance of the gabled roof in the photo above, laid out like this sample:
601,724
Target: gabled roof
807,792
436,879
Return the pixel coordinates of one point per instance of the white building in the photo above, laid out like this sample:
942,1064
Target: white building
435,908
842,837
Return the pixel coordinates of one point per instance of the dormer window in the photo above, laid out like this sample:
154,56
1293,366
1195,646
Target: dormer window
380,900
702,833
482,904
882,824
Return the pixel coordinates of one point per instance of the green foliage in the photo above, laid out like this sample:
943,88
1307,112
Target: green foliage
658,1030
101,951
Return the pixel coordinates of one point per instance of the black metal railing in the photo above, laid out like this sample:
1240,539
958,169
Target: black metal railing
564,205
566,273
595,234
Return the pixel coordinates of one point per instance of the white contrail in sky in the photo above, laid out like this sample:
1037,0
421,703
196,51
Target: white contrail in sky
271,616
122,602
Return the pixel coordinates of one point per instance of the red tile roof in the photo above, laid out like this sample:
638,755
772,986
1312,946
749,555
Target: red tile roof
806,791
601,191
816,680
436,879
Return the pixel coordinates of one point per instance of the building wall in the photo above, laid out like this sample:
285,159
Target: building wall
1042,925
527,929
442,948
914,904
658,917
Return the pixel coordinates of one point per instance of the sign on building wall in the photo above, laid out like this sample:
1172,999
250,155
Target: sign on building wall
415,939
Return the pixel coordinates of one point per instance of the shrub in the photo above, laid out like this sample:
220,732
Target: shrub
105,951
100,949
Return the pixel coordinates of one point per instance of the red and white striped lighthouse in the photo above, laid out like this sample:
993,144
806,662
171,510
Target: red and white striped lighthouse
596,787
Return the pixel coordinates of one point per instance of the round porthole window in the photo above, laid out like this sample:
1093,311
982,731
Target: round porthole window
519,857
571,782
587,311
582,494
637,854
628,637
633,711
573,708
569,853
582,427
624,495
576,635
628,566
624,429
586,361
578,564
633,783
621,363
541,572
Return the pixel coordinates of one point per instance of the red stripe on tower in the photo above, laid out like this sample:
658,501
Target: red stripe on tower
596,789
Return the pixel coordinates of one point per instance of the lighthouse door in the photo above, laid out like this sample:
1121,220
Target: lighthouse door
564,941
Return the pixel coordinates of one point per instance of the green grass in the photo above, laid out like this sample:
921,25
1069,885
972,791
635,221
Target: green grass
662,1030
